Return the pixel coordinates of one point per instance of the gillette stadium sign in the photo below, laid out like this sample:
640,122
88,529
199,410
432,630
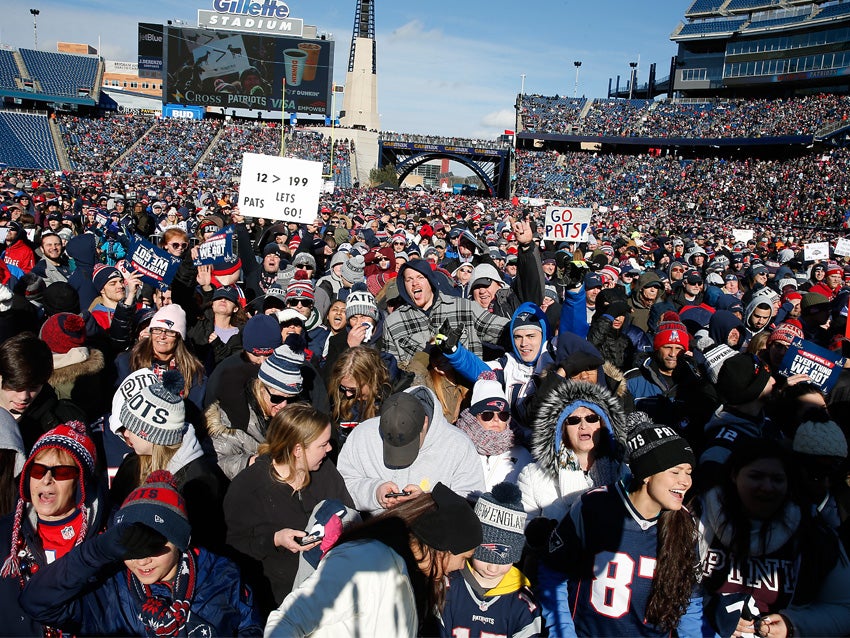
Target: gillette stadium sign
268,16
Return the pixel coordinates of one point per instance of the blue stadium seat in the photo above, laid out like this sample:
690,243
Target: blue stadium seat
751,5
712,26
704,6
61,73
8,70
776,22
25,141
833,11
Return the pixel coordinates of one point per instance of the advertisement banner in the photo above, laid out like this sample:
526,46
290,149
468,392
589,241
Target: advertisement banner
566,224
217,250
150,50
280,188
821,365
216,68
155,266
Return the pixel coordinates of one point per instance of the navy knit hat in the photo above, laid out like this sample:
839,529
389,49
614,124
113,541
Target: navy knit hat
102,274
159,505
261,335
502,524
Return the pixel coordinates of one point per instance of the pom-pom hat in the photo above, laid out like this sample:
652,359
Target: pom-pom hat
159,505
282,370
156,413
502,524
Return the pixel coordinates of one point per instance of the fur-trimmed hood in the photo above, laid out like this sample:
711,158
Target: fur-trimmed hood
558,404
93,365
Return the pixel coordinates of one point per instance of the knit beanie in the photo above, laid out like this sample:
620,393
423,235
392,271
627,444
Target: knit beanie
102,274
488,395
59,296
786,332
823,438
170,317
671,331
352,270
130,386
300,287
156,413
73,439
526,321
361,302
742,379
65,335
304,259
282,370
159,505
502,525
654,448
261,335
452,526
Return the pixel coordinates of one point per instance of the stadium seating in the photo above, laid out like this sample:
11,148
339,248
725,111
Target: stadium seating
25,141
775,22
704,6
94,144
61,73
172,147
751,5
8,70
833,11
711,27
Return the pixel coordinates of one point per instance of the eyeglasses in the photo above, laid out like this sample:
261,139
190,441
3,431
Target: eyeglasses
276,399
306,303
348,392
180,245
590,418
160,332
60,472
490,415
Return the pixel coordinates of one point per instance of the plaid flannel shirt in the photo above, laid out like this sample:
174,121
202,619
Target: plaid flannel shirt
409,329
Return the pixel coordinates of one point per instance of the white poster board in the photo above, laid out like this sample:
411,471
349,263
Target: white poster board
842,247
281,188
567,224
742,235
816,251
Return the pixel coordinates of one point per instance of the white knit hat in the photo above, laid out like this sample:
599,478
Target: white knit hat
361,302
131,386
157,414
488,395
823,438
170,317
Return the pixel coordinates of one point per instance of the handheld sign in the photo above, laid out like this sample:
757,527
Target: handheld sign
816,251
216,250
743,235
566,224
155,266
280,188
821,365
842,247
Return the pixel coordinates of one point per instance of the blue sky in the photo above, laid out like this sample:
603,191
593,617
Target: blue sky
444,67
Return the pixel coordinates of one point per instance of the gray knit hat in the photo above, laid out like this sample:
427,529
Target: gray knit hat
502,523
361,302
352,270
156,413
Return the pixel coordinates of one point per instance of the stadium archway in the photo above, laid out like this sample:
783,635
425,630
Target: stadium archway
490,165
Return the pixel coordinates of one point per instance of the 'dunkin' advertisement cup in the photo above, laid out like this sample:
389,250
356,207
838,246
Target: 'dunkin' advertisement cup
293,63
312,50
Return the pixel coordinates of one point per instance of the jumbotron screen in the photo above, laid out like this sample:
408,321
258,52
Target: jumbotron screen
209,67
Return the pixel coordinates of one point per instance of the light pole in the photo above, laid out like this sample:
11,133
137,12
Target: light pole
577,65
35,13
634,78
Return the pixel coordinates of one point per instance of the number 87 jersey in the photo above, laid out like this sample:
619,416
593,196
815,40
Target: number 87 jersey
607,551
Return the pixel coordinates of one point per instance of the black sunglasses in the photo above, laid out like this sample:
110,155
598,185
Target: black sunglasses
276,399
490,415
349,392
306,303
590,418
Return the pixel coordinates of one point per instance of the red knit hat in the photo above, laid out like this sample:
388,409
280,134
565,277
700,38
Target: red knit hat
300,287
64,331
671,331
786,332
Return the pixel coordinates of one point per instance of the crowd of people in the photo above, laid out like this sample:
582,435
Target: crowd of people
421,416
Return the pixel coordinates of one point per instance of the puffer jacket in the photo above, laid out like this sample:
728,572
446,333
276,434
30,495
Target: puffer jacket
549,489
234,446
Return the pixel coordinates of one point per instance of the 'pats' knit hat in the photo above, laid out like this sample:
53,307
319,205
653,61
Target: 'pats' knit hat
170,317
786,332
72,439
282,370
352,270
654,448
488,395
102,274
671,331
156,413
159,505
361,302
502,525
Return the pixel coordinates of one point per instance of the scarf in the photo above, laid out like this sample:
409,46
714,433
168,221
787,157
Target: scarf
159,615
486,442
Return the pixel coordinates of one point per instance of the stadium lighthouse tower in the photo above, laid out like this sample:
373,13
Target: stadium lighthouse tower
360,105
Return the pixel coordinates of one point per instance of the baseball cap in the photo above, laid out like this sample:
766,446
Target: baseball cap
402,420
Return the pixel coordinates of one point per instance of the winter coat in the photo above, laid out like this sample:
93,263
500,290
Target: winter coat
640,312
409,329
234,445
212,354
547,488
51,272
78,596
258,504
613,344
83,250
447,455
83,383
45,413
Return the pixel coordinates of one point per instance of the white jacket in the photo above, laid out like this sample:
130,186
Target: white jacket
504,467
360,589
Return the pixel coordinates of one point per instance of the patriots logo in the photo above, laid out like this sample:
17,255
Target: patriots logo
168,322
158,519
68,532
502,551
674,335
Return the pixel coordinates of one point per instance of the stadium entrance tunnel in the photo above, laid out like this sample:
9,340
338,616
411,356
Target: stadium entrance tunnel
490,165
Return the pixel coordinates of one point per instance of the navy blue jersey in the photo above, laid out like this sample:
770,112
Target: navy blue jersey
508,609
607,550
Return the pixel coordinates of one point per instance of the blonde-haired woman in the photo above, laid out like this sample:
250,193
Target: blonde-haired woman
359,381
269,503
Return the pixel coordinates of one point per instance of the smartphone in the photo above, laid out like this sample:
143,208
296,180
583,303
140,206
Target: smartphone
396,494
310,538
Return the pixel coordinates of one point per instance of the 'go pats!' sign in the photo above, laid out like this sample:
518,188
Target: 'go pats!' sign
566,224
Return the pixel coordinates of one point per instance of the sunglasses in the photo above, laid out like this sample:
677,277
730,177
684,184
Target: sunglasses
60,472
304,266
276,399
677,270
590,418
180,245
490,415
306,303
348,392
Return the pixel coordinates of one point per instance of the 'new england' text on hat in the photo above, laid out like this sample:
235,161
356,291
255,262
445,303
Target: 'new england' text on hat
496,515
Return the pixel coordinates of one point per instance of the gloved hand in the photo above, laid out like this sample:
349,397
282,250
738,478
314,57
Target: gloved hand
140,541
537,533
447,337
577,272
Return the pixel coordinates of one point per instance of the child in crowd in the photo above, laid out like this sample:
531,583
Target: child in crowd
490,596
